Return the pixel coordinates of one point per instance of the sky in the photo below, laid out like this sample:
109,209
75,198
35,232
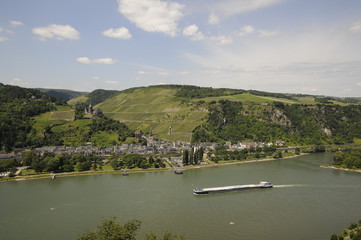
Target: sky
287,46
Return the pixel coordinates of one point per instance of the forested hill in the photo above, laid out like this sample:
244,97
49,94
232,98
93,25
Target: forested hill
293,123
179,113
61,93
94,97
201,114
17,106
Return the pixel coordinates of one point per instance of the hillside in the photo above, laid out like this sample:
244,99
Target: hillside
18,107
299,119
95,97
156,109
177,113
63,94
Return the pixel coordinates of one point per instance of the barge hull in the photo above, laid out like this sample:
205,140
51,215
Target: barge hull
231,188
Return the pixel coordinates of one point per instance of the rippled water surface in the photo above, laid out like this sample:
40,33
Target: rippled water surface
307,202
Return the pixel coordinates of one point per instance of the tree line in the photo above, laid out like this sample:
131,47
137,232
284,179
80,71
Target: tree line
348,159
134,160
294,123
18,106
112,229
192,157
353,232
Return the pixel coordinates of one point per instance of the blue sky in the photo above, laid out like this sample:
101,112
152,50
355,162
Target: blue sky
296,46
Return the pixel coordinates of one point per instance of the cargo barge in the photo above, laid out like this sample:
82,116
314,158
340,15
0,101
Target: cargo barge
232,188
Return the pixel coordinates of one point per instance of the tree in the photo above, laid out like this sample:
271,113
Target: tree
111,229
185,157
334,237
29,157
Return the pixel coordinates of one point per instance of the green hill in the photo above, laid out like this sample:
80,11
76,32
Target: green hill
63,94
178,113
156,109
95,97
18,108
256,118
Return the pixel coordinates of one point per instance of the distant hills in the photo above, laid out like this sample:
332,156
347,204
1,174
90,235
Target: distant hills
178,113
63,94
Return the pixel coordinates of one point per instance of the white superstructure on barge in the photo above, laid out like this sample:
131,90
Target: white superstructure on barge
232,188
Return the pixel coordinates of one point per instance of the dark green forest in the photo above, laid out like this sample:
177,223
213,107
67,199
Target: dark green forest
348,159
100,95
295,124
17,107
63,94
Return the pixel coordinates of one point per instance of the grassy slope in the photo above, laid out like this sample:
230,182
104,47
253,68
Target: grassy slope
158,108
147,108
79,99
250,98
60,116
155,108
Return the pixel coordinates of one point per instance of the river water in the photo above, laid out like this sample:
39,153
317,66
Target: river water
307,202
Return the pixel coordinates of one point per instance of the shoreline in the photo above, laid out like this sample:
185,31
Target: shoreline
89,173
341,169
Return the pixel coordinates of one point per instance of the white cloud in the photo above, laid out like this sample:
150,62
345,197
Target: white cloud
153,15
185,73
1,29
86,60
163,73
3,39
222,40
316,59
268,33
213,19
96,78
59,32
355,27
246,30
141,73
111,82
16,23
18,82
119,33
192,32
232,7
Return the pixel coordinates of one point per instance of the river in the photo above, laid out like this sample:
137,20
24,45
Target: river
307,202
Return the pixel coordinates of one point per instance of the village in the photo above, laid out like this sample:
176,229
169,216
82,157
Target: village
153,147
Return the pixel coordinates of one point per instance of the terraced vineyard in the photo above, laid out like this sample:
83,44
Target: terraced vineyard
155,109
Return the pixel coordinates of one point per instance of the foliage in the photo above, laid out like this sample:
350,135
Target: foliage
61,163
352,233
349,159
111,229
268,94
194,157
222,154
99,95
8,165
134,160
297,124
61,93
202,92
79,110
102,131
18,106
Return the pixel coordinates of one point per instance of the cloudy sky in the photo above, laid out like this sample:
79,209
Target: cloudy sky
296,46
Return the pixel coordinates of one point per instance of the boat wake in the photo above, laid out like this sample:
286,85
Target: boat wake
287,186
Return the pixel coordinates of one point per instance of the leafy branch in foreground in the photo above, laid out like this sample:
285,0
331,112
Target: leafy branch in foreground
111,229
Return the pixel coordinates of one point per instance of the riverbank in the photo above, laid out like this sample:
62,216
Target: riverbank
340,168
86,173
